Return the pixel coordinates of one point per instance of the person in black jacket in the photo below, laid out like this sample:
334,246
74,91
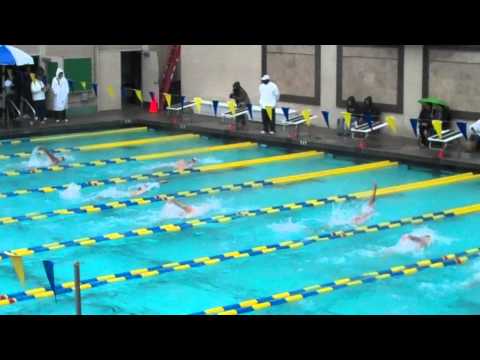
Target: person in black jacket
241,98
369,109
425,123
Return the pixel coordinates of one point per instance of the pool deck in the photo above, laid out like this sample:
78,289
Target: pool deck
384,147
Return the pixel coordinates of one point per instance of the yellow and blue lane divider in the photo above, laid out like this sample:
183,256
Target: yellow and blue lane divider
118,161
67,287
90,209
288,297
163,174
110,145
71,136
177,227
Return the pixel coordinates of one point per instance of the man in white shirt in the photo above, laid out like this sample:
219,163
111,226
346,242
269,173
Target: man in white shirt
269,96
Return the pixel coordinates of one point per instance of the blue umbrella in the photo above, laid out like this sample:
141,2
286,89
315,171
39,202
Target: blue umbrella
10,55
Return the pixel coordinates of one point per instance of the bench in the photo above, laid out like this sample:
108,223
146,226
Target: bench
448,136
366,130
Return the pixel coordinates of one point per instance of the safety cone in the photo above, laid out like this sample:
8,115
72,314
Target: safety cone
153,106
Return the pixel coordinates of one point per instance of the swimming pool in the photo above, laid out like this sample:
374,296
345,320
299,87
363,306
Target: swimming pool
185,266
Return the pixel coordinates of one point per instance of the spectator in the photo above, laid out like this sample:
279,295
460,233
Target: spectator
10,93
60,91
425,123
475,136
38,89
241,98
369,109
269,96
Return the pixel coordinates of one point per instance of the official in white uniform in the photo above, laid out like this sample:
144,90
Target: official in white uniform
60,90
269,96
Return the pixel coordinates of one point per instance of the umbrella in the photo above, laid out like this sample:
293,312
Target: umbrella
10,55
433,101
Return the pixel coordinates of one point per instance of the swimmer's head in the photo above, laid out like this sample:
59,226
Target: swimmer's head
194,160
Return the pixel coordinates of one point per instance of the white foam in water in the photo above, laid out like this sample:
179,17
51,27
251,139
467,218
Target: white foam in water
39,159
115,193
171,211
210,160
287,227
343,215
409,247
72,192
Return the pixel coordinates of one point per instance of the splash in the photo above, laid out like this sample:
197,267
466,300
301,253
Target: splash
72,192
209,161
287,227
171,211
405,246
342,215
38,159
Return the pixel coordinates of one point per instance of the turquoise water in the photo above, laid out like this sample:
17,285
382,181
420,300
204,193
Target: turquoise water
444,291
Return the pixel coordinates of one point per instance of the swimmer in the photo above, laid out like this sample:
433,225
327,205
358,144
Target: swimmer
368,210
182,165
142,189
422,241
51,156
189,210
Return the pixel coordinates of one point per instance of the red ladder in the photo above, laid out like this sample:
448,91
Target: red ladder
171,67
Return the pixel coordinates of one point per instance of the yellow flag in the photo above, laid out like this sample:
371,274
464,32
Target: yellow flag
32,76
110,91
437,125
392,123
17,263
84,84
269,110
168,98
139,95
348,119
198,103
307,115
232,106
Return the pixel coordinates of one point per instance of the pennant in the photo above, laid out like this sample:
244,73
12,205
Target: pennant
84,85
17,263
139,95
182,101
269,111
250,110
110,91
198,103
463,129
286,112
326,116
437,125
414,123
348,119
232,106
95,89
48,266
215,107
168,98
124,92
368,117
32,76
392,123
307,116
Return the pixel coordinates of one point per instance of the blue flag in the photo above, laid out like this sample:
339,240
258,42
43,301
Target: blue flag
326,116
368,117
124,92
463,129
414,123
48,266
95,88
286,112
152,95
182,101
215,107
250,110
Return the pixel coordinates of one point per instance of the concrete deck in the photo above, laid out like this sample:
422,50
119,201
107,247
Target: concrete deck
384,147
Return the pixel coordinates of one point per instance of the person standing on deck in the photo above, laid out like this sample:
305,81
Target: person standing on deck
60,91
269,96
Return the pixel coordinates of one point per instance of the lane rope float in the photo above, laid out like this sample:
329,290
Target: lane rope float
48,189
288,297
177,227
96,208
118,161
71,136
110,145
67,287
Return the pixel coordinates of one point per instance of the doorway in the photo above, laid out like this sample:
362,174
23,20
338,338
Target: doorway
131,65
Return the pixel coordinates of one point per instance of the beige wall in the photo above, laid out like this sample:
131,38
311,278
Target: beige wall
209,71
108,73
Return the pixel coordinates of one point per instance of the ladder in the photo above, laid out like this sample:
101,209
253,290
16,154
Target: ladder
170,69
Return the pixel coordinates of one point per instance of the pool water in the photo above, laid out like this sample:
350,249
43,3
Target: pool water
444,291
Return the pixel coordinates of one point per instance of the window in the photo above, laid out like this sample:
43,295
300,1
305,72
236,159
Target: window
452,73
371,70
296,71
